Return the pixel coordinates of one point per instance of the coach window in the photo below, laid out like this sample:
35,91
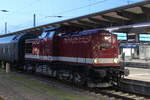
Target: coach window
51,34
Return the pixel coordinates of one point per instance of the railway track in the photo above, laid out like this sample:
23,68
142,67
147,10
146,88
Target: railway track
123,92
121,95
128,90
135,86
144,65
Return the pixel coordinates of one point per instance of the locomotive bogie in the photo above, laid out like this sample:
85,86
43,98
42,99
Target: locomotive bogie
79,75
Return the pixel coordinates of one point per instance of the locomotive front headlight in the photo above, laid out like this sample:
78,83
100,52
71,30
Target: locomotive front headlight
116,60
96,61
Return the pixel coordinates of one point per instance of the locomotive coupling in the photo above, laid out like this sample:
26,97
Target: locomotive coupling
126,72
120,71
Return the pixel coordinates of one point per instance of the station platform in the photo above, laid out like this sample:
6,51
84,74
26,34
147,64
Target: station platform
137,63
139,74
138,60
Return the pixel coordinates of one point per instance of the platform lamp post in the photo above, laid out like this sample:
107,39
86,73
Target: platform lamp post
34,19
7,63
5,27
5,22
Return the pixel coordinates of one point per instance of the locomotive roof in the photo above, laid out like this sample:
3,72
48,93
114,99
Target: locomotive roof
92,32
85,32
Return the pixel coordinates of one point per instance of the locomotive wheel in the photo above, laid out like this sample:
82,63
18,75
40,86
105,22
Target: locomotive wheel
50,72
58,75
54,73
67,78
70,79
78,79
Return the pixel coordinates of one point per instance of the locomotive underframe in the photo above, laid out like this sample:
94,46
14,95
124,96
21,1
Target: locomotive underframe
78,74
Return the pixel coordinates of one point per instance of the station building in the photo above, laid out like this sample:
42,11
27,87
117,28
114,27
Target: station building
134,46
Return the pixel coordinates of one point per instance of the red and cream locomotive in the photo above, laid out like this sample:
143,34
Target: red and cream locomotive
89,56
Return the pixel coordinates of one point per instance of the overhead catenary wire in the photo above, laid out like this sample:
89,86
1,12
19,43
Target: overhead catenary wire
78,8
42,17
28,5
82,7
129,1
89,5
70,10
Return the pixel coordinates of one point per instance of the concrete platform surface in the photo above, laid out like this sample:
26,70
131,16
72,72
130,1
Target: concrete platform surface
140,74
137,61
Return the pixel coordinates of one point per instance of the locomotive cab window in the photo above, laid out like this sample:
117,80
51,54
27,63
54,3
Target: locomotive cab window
106,43
43,35
50,34
28,47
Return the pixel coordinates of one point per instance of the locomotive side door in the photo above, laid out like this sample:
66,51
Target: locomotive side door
56,45
49,45
41,45
46,45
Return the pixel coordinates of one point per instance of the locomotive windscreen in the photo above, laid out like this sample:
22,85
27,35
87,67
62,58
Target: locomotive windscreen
107,41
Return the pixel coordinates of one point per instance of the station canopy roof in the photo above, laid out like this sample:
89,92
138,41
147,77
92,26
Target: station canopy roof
122,16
